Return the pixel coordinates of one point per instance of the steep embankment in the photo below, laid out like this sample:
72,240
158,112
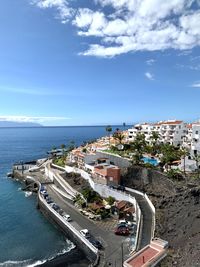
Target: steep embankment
177,214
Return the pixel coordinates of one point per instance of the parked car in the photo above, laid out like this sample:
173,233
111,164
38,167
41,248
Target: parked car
43,191
49,200
42,188
122,225
61,212
85,233
121,187
55,207
51,204
45,196
122,231
122,222
96,243
67,217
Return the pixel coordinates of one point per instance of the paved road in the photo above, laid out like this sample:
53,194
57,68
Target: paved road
112,252
147,219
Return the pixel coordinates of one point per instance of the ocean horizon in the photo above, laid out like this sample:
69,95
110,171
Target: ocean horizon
24,230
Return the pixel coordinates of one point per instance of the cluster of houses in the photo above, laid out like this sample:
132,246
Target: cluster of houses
175,132
102,169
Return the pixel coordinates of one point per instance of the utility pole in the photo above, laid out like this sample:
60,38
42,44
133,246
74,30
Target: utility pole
122,248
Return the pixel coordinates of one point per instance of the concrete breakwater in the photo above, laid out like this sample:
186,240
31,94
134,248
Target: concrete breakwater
81,242
83,245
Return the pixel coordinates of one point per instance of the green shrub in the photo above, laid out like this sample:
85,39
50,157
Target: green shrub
175,174
110,200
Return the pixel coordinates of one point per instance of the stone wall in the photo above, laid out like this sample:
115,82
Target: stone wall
148,180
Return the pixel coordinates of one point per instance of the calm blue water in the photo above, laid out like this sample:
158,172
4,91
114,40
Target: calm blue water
25,235
150,160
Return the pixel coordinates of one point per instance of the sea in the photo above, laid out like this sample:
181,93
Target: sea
27,238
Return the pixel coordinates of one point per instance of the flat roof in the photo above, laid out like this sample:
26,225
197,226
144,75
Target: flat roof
143,258
147,256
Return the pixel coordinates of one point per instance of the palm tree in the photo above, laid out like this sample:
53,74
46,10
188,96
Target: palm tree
184,153
197,160
63,146
154,141
154,137
109,130
170,154
139,146
119,136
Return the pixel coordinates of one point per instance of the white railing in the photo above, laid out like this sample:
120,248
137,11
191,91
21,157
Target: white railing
55,176
103,190
134,191
139,221
153,217
150,205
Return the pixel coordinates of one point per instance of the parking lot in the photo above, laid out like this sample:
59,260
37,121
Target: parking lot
102,231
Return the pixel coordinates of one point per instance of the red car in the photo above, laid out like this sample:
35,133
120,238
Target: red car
122,231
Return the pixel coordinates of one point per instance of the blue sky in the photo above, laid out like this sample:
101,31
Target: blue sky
66,62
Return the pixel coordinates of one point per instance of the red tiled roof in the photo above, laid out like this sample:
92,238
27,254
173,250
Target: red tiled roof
189,126
129,209
171,122
121,204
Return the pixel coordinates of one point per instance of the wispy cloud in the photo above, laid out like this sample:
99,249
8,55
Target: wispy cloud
185,53
131,25
196,85
27,91
150,61
41,119
149,76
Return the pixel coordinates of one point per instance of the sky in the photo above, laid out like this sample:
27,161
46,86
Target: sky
96,62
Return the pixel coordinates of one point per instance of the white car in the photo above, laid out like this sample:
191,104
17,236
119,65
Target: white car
67,217
85,233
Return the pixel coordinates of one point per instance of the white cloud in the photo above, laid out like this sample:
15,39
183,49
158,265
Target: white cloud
149,76
31,118
62,6
150,61
132,25
196,85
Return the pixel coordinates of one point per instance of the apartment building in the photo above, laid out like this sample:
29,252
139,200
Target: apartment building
171,131
143,128
192,138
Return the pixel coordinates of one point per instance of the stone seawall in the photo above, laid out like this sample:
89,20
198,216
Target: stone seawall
91,255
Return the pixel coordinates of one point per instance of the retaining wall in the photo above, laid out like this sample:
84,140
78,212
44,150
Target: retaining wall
82,243
103,190
117,160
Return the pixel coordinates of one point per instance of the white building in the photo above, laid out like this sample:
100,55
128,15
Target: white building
192,138
143,128
171,131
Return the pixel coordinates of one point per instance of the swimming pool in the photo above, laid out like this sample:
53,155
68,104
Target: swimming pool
152,161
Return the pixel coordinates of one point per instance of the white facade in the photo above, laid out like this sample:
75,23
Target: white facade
171,132
195,142
144,128
192,138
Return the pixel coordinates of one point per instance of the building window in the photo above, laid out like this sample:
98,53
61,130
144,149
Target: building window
196,132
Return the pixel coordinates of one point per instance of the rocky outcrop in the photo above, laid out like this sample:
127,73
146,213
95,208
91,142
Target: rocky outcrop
147,180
